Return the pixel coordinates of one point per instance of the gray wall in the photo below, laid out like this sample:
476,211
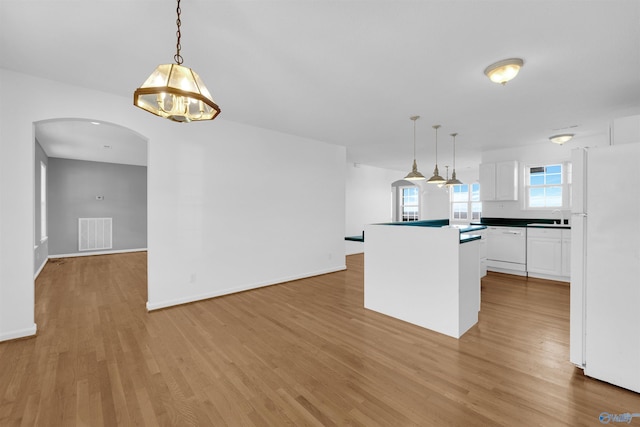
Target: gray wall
41,250
73,187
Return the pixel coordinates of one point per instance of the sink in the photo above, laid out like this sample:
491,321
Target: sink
535,224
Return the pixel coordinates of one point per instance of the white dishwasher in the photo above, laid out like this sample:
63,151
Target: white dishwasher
507,250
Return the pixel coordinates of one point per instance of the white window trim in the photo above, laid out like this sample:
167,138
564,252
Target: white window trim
469,203
566,186
401,204
44,232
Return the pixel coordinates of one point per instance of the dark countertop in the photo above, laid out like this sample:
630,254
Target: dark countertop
558,226
436,223
522,222
464,238
468,228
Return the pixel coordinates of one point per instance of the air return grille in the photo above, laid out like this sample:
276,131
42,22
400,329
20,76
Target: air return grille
94,233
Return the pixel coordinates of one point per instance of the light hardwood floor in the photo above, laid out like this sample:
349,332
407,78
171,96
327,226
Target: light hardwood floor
296,354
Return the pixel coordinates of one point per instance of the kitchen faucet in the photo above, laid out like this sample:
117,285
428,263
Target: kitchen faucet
561,215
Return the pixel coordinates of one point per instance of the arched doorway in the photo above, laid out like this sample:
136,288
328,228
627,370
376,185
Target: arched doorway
88,169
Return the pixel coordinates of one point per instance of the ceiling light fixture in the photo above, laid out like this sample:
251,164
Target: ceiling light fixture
453,180
561,138
503,71
414,175
436,178
175,92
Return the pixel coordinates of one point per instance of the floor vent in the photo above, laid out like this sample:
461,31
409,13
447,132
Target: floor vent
94,233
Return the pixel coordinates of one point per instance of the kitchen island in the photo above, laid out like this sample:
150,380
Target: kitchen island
426,273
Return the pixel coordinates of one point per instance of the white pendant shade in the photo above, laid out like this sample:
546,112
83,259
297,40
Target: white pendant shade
414,175
454,180
436,178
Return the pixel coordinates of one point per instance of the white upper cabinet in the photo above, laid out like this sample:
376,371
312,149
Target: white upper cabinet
499,181
625,130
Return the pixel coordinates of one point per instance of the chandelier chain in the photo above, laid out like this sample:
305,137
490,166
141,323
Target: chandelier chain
177,57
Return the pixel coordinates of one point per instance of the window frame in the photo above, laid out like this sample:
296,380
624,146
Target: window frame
565,185
43,202
401,204
470,202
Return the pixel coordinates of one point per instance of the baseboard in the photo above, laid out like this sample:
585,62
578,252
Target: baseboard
507,271
20,333
549,277
77,254
35,276
200,297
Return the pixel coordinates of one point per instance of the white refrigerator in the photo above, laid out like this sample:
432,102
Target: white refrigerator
605,264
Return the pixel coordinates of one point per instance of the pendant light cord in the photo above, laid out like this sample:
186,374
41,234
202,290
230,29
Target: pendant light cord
454,150
177,57
436,128
414,140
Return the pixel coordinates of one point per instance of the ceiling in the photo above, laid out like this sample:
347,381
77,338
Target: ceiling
91,141
352,72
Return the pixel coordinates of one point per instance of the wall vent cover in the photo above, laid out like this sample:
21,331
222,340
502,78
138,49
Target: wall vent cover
94,233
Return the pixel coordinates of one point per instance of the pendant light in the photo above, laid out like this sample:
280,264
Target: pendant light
414,175
175,92
445,177
436,178
454,180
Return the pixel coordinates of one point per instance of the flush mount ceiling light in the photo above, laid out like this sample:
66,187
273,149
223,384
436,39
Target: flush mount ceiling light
175,92
414,175
503,71
561,138
436,178
454,180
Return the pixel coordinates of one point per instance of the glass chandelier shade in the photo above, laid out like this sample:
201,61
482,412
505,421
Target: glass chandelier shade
414,175
176,93
436,178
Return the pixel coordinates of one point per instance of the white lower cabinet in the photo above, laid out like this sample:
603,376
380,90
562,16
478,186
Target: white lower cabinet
548,253
566,253
482,249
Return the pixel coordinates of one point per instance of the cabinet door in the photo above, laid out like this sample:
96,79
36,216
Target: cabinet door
487,176
544,255
566,255
507,181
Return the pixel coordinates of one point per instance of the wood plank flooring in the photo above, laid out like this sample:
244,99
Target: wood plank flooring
303,353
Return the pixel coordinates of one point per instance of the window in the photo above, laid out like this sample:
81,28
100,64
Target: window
43,201
465,202
546,186
410,203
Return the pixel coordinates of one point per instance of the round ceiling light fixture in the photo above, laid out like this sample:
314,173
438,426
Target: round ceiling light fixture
504,71
561,138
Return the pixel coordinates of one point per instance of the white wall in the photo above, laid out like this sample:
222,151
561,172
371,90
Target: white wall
529,155
434,201
213,227
368,196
